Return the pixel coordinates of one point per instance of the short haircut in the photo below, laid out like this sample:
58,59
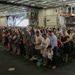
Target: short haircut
37,31
50,31
49,46
44,34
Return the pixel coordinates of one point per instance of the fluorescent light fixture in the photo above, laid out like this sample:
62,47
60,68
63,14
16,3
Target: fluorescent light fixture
26,0
23,8
69,4
5,12
22,1
12,1
73,3
44,2
44,7
62,0
32,4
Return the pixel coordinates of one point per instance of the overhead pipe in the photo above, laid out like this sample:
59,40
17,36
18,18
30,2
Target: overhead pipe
16,4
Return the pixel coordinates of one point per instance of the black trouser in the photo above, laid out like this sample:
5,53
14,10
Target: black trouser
54,55
49,62
11,47
32,50
22,49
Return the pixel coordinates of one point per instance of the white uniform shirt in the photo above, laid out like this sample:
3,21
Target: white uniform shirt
45,42
37,40
50,54
71,35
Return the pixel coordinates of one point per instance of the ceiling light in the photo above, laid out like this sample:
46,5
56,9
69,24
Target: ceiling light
73,3
23,8
69,4
44,7
12,1
62,0
5,12
32,4
44,2
26,0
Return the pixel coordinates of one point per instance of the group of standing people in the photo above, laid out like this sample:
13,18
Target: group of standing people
39,43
